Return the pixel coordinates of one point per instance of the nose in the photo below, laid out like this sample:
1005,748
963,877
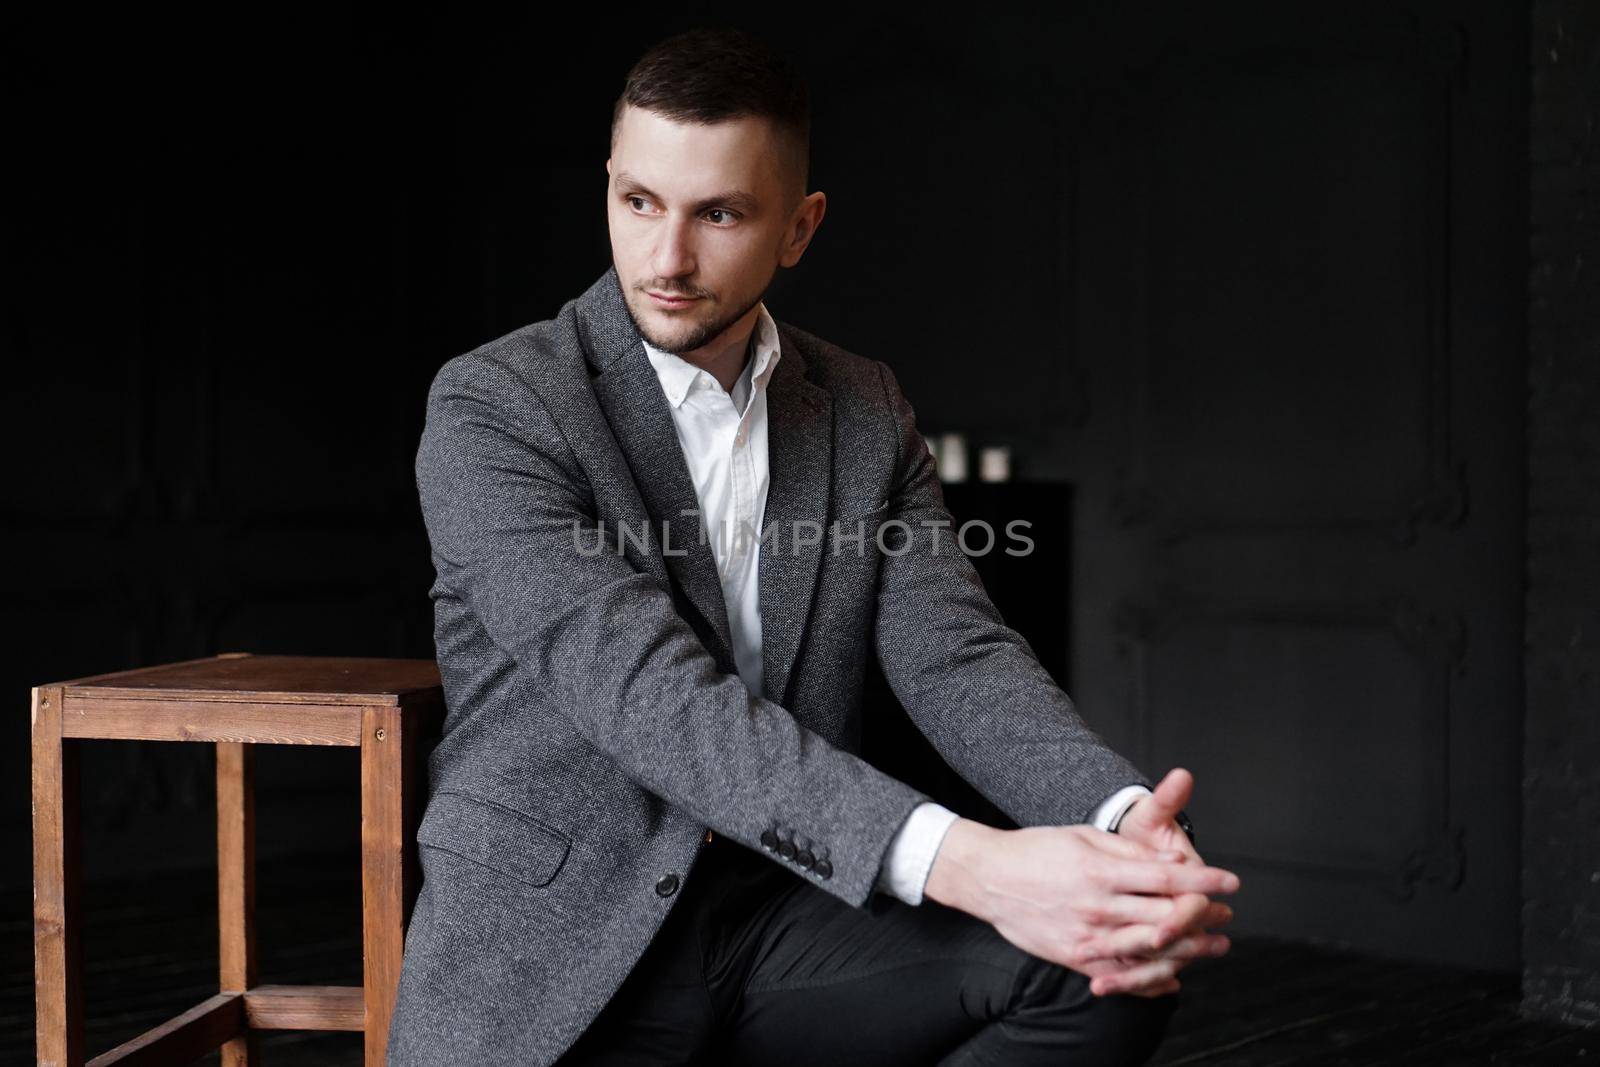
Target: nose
674,256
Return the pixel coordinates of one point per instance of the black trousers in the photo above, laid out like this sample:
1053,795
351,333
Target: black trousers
756,966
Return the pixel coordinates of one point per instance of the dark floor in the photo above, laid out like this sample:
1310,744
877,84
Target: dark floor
149,953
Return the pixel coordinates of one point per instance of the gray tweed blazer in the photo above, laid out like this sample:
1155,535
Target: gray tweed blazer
597,726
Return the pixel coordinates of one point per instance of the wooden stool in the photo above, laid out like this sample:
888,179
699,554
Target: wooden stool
235,700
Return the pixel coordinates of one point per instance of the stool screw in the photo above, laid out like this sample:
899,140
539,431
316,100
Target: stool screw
381,734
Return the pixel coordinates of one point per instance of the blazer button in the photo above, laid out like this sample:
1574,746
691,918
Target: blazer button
786,849
668,885
824,869
769,840
805,859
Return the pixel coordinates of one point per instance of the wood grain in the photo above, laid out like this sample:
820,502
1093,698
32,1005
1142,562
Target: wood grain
387,873
306,1007
236,885
57,868
234,701
182,1038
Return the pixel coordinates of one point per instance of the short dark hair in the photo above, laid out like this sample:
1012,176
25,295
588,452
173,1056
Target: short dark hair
712,74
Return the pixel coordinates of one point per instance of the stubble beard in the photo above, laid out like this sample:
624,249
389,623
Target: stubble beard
699,336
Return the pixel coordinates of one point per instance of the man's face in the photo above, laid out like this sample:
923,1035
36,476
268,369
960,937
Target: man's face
702,213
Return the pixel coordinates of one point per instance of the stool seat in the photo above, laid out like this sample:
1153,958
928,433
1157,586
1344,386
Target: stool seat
385,707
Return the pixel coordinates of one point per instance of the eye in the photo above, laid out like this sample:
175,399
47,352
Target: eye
632,199
722,211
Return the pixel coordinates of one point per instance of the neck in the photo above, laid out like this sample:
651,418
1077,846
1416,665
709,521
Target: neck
725,358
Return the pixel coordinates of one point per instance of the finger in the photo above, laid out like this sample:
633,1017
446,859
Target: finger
1143,974
1159,990
1155,989
1216,914
1126,847
1208,914
1168,879
1133,941
1186,911
1120,909
1138,850
1173,915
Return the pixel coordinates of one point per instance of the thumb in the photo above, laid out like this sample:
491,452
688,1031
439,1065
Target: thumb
1168,798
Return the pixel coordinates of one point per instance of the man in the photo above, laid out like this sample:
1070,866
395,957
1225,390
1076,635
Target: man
649,838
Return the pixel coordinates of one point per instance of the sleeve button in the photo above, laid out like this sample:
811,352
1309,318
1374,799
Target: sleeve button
805,859
824,869
786,849
769,840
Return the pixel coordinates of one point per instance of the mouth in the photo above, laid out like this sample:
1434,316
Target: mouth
666,300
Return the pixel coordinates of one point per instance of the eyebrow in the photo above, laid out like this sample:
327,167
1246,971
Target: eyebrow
732,198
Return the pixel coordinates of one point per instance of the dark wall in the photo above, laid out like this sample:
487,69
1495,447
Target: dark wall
1282,340
1249,276
1561,835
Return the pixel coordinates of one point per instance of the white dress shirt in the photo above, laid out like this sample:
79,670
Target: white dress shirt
724,439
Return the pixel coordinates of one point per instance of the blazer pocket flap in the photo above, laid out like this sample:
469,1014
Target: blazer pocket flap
501,838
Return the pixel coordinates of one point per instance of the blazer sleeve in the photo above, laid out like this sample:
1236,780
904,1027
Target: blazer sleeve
972,684
507,508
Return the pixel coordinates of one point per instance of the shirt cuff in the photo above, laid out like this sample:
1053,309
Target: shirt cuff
1111,810
909,857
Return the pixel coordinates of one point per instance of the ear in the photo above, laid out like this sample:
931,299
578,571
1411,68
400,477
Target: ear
808,217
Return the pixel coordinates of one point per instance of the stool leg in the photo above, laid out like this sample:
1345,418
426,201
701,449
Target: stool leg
236,886
57,966
387,879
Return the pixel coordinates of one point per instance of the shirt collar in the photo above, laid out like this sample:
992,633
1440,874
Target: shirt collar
678,375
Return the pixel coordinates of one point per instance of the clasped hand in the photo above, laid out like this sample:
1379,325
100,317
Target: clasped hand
1128,909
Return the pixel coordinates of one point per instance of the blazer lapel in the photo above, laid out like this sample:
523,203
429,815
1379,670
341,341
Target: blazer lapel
800,465
641,420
